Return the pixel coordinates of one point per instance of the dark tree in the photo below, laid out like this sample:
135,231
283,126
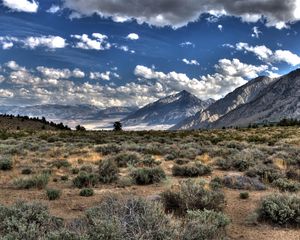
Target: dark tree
117,126
80,128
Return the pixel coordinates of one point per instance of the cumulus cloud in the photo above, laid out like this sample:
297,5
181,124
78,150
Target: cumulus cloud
256,32
22,5
267,55
220,27
133,36
4,93
98,42
104,76
53,9
51,42
229,75
49,85
178,13
187,44
7,42
53,73
190,62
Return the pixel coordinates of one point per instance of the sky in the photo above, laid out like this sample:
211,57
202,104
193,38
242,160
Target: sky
133,52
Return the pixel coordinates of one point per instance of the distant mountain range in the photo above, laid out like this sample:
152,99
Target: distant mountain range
261,100
167,111
71,114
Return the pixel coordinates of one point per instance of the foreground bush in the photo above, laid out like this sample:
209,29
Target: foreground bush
193,170
6,164
26,221
280,209
53,194
124,159
85,179
204,225
192,195
37,181
243,182
144,176
108,171
86,192
286,185
131,218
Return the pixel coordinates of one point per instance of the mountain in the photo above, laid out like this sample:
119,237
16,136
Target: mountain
238,97
67,112
167,111
279,100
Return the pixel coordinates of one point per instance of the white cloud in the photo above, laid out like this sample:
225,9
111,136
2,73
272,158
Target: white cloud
190,62
104,76
275,13
229,75
133,36
14,66
267,55
286,56
54,73
7,42
187,44
22,5
2,78
220,27
256,32
53,9
49,85
6,93
51,42
97,43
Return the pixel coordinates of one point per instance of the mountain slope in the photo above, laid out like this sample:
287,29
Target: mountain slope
280,99
167,111
221,107
67,112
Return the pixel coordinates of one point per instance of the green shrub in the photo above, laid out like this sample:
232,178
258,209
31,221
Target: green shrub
26,221
86,168
124,182
108,149
129,218
75,171
6,164
108,171
144,176
86,192
37,181
224,164
204,225
216,183
124,159
244,195
192,195
286,185
26,171
85,179
181,161
53,194
265,173
280,209
64,178
293,174
149,161
193,170
61,163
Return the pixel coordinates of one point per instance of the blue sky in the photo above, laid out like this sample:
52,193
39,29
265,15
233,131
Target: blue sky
130,53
